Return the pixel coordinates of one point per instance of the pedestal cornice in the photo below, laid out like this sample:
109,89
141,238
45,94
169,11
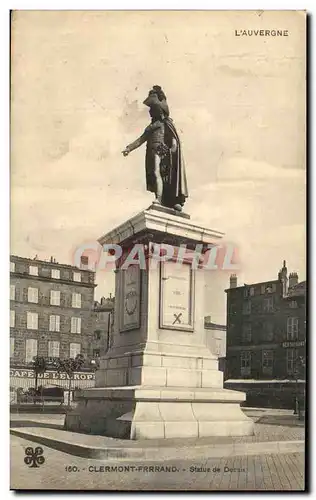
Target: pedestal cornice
163,224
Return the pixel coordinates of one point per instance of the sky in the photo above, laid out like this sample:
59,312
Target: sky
78,80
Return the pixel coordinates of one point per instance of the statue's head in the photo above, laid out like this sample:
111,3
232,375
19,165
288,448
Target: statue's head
157,101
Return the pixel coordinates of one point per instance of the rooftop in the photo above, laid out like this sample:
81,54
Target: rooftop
297,290
50,262
249,285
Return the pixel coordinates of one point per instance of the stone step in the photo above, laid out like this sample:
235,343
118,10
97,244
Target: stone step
103,448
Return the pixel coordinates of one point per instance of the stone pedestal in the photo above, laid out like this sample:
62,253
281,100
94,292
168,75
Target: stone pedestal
159,379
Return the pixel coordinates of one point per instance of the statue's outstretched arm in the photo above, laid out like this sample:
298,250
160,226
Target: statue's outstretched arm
143,138
138,142
135,144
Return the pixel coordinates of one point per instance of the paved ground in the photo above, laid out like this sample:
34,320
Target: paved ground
267,472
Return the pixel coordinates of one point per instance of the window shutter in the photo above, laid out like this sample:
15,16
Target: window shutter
11,347
51,323
32,321
12,319
53,349
75,349
30,350
77,276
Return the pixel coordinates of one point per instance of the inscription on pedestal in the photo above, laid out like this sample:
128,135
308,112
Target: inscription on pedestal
130,299
176,296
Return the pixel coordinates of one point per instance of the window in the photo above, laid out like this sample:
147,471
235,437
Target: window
249,291
232,309
77,276
12,267
268,330
53,349
33,270
12,319
30,350
75,325
268,304
246,333
55,298
32,321
293,304
247,307
267,362
292,328
245,363
74,349
76,300
290,361
97,334
56,274
32,295
12,292
268,288
96,353
54,323
11,347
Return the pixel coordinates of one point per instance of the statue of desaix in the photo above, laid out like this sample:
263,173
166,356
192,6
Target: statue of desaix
165,170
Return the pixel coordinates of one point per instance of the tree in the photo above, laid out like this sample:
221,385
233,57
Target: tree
39,365
69,366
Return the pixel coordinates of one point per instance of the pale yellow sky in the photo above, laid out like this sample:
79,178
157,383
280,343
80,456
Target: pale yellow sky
78,82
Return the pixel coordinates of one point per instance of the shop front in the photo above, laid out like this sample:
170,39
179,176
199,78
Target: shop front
22,384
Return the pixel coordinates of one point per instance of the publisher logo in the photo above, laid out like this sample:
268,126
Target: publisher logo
34,458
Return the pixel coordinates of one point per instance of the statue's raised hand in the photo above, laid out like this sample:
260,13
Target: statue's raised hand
125,152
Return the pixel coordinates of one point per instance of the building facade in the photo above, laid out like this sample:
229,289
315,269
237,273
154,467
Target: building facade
51,310
266,336
216,340
104,317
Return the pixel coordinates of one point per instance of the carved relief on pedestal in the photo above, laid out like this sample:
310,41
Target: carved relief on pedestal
130,298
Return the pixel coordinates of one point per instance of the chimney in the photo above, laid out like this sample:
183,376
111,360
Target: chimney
102,300
84,262
293,279
233,281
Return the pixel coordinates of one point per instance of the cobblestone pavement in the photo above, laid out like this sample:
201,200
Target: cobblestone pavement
63,471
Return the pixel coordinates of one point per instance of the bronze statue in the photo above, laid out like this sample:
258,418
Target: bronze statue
165,170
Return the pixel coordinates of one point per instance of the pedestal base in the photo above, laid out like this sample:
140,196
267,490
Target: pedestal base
151,413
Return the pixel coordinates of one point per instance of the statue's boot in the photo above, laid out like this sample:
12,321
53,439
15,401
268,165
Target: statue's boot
178,207
158,200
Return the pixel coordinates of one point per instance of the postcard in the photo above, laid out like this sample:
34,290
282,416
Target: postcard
157,260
